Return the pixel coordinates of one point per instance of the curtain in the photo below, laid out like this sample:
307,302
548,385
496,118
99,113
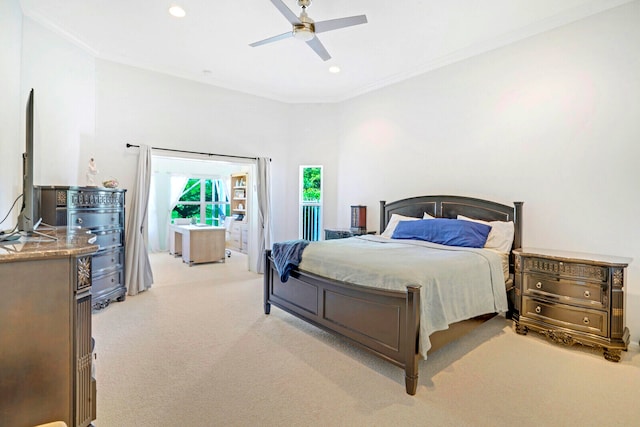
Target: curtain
263,188
138,268
153,231
176,190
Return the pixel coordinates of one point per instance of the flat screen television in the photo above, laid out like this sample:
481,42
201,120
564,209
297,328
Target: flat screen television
25,218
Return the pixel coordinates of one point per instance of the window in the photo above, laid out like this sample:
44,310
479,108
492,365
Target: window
203,200
310,202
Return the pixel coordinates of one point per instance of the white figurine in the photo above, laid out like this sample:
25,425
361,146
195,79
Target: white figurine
92,171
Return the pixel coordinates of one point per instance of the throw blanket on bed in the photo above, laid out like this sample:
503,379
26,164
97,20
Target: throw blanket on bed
287,255
456,283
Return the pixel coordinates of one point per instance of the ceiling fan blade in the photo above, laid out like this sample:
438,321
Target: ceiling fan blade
318,48
334,24
272,39
288,13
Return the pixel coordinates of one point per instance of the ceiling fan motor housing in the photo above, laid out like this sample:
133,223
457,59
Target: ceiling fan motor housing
305,30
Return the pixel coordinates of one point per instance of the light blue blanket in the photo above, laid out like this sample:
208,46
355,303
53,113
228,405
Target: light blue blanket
456,283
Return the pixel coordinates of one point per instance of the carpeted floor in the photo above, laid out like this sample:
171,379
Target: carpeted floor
198,350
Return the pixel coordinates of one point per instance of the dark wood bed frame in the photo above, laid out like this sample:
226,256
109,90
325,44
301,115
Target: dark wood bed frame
381,321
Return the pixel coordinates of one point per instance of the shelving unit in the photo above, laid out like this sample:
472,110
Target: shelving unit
239,194
239,207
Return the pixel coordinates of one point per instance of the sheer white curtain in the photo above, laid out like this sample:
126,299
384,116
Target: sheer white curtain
164,194
138,268
154,218
263,189
176,190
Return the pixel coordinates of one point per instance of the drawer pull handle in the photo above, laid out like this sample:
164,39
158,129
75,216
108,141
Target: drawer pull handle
539,285
113,280
585,320
538,309
587,294
79,220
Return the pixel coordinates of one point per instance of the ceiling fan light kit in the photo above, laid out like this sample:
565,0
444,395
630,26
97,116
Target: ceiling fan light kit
305,29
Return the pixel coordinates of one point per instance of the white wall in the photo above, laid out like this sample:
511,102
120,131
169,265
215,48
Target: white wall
142,107
12,141
62,76
314,135
552,121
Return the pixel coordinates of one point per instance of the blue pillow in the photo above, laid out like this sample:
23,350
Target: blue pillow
450,232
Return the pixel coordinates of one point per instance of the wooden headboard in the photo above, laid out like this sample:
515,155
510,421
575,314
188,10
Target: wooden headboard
451,207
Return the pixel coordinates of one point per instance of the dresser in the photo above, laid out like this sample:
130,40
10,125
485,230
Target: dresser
45,330
102,211
572,298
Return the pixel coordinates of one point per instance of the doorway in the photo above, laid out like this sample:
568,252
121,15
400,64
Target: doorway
198,189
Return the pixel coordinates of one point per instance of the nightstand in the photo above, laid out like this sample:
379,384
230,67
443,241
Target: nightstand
572,298
342,233
337,233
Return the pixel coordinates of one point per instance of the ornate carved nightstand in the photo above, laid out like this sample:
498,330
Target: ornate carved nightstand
572,298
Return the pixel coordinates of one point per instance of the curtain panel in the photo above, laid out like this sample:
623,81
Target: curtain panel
137,265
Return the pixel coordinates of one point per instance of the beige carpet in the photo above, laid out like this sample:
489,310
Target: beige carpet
197,350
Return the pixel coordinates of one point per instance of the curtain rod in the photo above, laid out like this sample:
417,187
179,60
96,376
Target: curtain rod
196,152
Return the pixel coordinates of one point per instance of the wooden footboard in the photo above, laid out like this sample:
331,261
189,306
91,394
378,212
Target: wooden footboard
381,321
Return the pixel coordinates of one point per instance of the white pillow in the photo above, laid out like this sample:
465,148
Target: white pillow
393,222
501,235
427,216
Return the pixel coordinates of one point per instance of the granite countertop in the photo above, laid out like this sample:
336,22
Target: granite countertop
68,241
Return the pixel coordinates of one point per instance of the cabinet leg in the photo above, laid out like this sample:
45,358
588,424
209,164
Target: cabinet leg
612,355
521,330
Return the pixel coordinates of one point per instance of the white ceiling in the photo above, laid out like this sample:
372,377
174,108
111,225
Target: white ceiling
211,44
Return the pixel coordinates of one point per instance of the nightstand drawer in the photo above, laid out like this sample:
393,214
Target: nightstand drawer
566,316
566,269
587,294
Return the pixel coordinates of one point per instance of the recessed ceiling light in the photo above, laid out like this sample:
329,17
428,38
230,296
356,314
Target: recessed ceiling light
177,11
334,69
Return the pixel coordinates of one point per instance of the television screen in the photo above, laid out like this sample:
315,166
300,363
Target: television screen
25,218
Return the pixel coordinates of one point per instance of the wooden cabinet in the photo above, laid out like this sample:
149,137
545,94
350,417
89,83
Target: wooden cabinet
572,298
197,244
238,236
45,332
101,210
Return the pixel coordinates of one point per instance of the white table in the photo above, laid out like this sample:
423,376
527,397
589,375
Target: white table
197,243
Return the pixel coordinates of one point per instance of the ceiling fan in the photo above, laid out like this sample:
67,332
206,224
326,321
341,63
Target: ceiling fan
305,29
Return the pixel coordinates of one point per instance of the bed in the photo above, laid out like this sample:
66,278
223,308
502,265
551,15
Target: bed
386,322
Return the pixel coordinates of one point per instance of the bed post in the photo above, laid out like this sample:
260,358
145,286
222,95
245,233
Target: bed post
412,343
267,280
517,243
383,222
